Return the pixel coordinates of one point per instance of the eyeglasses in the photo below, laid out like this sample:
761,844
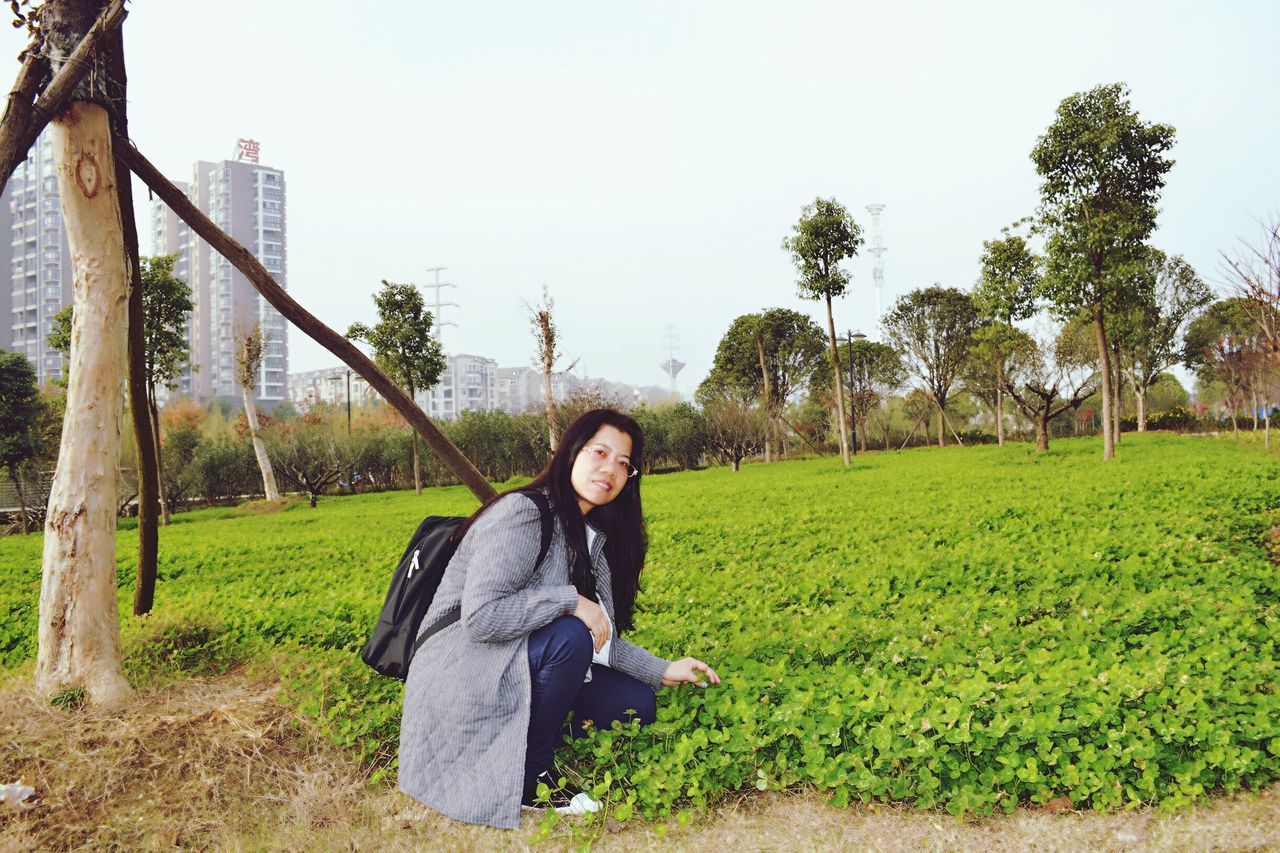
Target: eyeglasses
600,453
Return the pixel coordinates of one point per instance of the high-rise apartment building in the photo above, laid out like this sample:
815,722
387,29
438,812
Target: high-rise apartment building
246,200
39,260
469,384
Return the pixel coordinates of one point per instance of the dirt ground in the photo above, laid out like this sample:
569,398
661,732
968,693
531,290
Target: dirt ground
219,763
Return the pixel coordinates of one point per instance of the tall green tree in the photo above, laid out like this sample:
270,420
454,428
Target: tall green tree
1155,326
877,373
1226,344
933,328
167,306
825,236
769,355
1006,293
403,346
1102,170
20,409
993,347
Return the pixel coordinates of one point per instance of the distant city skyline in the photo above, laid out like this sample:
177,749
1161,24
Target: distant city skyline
646,162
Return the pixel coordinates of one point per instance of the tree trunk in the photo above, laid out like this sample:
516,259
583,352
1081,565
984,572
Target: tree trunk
146,438
1042,434
1104,356
1266,422
1140,400
155,426
737,461
835,363
1253,398
1117,406
417,472
1000,405
942,425
260,448
764,378
79,638
549,401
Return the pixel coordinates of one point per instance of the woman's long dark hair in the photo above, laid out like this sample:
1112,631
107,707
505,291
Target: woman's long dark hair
621,520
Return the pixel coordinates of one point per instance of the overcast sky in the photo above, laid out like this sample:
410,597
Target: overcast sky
645,161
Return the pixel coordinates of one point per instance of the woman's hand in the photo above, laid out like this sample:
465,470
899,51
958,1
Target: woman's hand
593,617
689,671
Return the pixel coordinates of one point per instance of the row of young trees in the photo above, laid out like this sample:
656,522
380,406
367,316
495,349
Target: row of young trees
1071,303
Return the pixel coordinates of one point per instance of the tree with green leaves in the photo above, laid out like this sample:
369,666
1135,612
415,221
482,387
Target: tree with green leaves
311,454
20,409
993,347
1155,327
769,355
1006,293
1050,377
1226,344
248,360
59,338
877,373
167,305
1102,170
825,236
933,327
403,346
736,424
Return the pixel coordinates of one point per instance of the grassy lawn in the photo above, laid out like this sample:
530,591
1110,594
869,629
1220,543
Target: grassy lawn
968,628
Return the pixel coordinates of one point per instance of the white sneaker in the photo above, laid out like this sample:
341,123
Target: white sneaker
562,801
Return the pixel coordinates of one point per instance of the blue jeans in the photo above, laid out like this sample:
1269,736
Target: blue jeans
559,656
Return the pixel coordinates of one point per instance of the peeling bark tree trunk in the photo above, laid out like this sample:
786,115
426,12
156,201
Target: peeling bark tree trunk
79,642
269,490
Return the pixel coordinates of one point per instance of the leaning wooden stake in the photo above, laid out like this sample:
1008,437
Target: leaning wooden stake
79,642
243,260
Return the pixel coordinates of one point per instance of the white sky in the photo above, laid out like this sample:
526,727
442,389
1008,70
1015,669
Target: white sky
645,161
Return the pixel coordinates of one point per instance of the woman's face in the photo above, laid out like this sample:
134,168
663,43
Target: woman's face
601,468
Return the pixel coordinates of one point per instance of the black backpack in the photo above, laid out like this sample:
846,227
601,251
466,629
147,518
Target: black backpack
413,586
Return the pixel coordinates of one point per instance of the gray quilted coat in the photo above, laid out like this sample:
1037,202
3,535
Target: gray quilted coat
466,700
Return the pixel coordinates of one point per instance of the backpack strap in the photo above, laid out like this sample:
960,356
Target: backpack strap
544,511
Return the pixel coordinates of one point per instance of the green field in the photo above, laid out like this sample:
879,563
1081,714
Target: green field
972,627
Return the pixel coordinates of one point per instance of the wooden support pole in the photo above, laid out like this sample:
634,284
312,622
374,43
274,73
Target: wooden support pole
23,120
243,260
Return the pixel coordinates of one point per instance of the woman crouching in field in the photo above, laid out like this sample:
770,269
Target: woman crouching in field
486,697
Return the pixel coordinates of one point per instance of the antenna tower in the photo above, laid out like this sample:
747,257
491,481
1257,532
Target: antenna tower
436,326
671,367
877,249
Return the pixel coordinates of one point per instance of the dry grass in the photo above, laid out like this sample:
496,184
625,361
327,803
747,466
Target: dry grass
218,763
